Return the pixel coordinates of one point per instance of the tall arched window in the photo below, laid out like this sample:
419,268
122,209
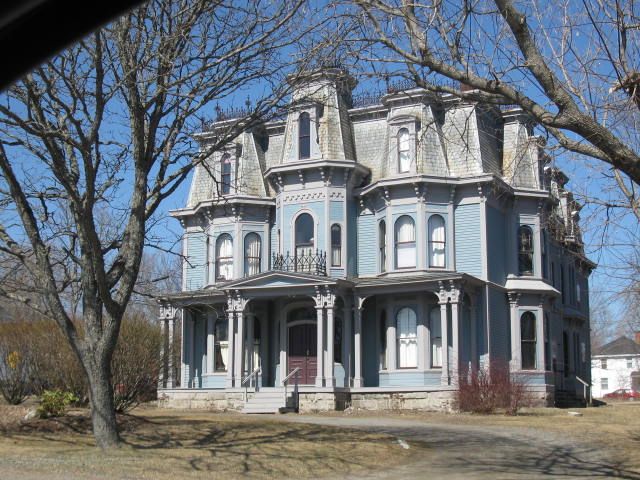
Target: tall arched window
528,340
407,338
225,174
435,329
221,345
304,241
404,151
252,254
405,235
382,245
304,136
437,238
224,257
525,250
336,245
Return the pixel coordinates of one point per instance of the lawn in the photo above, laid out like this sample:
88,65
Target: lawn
163,444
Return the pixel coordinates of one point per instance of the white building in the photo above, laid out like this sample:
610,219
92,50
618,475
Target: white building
616,365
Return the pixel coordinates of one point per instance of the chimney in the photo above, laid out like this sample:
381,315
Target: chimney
638,338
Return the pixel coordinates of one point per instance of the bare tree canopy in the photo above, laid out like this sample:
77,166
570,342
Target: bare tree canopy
94,140
573,66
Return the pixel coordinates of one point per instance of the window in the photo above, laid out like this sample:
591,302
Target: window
304,136
304,235
383,340
629,362
435,328
406,333
545,272
221,345
224,257
404,151
436,241
603,364
528,340
382,245
405,242
604,384
336,245
252,254
337,340
525,250
225,176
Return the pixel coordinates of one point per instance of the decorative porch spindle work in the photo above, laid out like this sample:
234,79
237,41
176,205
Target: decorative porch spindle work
309,262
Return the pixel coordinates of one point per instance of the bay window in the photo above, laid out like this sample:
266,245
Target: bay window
224,257
252,254
437,238
405,237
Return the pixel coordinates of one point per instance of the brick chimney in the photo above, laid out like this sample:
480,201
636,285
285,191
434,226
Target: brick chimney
638,338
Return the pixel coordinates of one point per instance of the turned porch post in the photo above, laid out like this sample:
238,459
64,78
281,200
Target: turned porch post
320,344
357,344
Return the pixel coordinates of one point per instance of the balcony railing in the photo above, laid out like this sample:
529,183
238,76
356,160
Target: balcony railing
308,262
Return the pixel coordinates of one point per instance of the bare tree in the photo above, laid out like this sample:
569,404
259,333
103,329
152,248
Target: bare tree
106,127
573,66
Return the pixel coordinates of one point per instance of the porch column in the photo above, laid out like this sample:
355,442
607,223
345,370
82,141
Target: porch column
357,345
264,349
250,367
540,336
240,342
231,315
455,341
283,347
392,345
515,363
170,372
444,333
423,347
163,353
346,342
320,345
330,379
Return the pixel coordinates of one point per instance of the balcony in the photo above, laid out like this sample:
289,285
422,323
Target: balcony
308,262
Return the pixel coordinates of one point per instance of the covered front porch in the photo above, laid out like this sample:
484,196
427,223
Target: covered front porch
334,341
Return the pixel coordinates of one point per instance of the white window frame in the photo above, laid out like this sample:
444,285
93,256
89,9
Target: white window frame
228,258
432,243
246,258
407,340
405,245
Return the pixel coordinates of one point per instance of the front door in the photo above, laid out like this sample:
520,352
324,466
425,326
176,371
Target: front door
303,353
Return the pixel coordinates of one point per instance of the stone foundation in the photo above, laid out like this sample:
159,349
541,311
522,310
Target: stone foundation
426,401
200,399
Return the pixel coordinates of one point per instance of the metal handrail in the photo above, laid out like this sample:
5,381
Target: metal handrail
253,374
295,387
585,385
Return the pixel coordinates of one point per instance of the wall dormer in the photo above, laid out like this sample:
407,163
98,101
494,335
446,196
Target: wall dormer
403,144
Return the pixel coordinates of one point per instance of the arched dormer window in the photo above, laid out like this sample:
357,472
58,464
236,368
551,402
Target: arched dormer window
525,250
252,254
405,236
382,245
404,151
225,174
304,235
336,245
304,136
437,238
224,257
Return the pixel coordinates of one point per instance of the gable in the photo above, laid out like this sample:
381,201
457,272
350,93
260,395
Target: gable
279,280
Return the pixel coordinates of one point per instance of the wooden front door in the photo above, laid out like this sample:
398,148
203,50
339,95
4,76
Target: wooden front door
303,353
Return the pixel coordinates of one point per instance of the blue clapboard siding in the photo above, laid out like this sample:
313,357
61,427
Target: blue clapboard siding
197,260
352,240
467,241
409,378
336,211
366,245
499,325
214,381
496,245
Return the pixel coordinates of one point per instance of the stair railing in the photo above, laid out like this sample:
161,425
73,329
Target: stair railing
293,373
585,386
253,374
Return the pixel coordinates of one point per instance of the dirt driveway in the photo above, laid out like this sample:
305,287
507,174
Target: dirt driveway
486,452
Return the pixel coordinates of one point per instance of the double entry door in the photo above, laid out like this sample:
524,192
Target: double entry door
303,353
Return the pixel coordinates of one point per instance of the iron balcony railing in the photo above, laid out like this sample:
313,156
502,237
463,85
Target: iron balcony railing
308,262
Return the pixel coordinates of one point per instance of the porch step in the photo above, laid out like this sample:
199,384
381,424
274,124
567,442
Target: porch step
568,399
270,401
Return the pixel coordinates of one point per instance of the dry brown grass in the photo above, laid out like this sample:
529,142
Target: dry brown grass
163,444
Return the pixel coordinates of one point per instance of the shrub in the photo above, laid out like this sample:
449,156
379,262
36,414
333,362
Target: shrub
487,390
16,362
54,403
136,362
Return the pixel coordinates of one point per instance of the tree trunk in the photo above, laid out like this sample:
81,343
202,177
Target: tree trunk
103,413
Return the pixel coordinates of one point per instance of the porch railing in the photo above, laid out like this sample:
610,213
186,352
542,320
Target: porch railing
294,374
585,386
308,262
247,380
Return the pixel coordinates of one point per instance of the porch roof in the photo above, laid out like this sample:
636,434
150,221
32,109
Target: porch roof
418,278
